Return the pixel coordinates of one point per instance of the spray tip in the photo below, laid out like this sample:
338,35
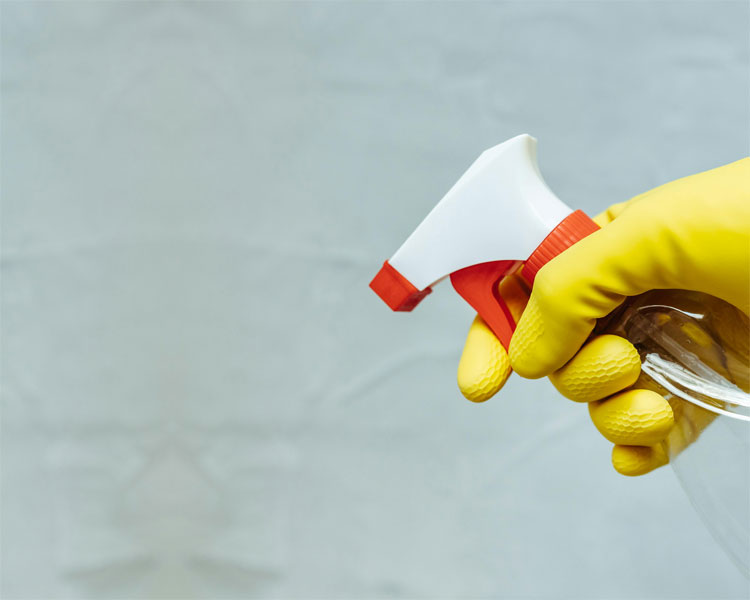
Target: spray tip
396,290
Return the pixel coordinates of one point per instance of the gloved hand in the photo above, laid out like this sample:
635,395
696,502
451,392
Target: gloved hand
690,234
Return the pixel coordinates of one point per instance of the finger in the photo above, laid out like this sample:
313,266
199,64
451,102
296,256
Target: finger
515,291
638,460
633,418
570,293
484,366
605,365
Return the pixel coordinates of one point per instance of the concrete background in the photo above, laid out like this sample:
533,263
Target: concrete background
201,396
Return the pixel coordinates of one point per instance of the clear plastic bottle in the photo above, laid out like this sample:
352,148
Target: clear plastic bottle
695,351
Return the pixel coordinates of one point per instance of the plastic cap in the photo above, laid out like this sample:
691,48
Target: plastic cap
396,290
571,229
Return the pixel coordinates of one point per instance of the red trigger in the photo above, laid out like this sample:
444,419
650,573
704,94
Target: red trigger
478,286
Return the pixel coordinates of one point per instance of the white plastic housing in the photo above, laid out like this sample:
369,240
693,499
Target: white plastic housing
500,209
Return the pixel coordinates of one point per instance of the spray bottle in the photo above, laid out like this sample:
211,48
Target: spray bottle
501,218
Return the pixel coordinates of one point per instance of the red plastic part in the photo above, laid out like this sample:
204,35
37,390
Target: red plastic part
396,290
572,229
478,286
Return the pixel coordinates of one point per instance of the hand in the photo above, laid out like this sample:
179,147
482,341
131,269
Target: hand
690,234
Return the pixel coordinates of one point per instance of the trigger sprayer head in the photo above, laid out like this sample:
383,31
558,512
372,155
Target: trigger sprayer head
500,209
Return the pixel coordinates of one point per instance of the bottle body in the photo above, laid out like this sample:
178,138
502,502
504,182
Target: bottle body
695,351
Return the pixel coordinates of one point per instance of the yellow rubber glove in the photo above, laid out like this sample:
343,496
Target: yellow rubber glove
690,234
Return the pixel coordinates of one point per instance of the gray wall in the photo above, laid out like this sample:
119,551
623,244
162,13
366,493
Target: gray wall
202,398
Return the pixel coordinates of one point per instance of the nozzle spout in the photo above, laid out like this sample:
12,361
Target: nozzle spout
395,290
